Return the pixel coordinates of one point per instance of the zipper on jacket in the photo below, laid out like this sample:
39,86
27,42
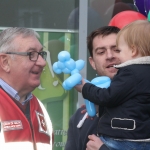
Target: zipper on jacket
31,126
28,116
99,122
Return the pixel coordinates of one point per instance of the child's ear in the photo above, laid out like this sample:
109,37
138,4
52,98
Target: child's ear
134,51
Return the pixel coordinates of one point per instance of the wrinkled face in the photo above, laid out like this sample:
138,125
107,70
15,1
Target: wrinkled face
25,74
103,59
125,53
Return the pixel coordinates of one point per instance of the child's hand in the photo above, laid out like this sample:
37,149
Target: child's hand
79,87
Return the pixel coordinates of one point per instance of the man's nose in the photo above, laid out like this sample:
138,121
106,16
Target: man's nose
109,54
40,61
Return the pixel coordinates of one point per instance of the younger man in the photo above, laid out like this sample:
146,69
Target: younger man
101,44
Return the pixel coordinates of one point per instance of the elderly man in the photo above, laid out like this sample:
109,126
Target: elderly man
25,124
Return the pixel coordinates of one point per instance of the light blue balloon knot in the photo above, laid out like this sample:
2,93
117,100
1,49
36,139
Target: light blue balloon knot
67,65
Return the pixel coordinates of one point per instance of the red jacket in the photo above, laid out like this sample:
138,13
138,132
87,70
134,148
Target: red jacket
17,132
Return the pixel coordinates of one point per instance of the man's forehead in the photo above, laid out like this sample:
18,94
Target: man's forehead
106,38
104,42
29,47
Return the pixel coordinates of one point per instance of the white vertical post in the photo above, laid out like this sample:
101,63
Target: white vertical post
83,16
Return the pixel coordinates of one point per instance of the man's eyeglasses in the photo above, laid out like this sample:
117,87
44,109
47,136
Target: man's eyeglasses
33,56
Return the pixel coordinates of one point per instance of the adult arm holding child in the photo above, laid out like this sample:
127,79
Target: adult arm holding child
95,143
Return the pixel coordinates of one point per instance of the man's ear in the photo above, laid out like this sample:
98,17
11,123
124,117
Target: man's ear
4,62
92,63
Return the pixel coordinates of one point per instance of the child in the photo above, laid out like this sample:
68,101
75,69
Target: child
125,123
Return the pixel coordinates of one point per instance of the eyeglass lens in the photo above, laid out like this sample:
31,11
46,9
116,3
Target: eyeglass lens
43,54
34,55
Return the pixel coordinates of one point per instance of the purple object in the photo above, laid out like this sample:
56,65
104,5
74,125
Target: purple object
141,6
147,6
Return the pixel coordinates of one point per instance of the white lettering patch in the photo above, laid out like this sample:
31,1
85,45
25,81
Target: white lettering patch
12,125
42,123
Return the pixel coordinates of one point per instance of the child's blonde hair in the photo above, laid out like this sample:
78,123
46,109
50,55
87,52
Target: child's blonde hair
137,35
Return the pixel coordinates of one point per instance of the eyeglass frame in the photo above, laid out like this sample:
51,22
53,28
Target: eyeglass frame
43,54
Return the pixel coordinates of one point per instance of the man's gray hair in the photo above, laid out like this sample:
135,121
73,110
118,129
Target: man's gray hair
8,36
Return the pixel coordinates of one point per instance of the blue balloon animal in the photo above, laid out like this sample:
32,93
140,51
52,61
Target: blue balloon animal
102,82
67,65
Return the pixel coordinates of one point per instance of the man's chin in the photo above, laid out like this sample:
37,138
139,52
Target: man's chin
36,84
111,75
111,72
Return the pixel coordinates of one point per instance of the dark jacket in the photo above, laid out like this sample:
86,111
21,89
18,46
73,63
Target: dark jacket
78,137
126,102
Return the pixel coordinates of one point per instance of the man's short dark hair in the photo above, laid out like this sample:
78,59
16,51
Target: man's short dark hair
103,31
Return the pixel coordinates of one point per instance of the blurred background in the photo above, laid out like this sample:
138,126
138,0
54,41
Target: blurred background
64,25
